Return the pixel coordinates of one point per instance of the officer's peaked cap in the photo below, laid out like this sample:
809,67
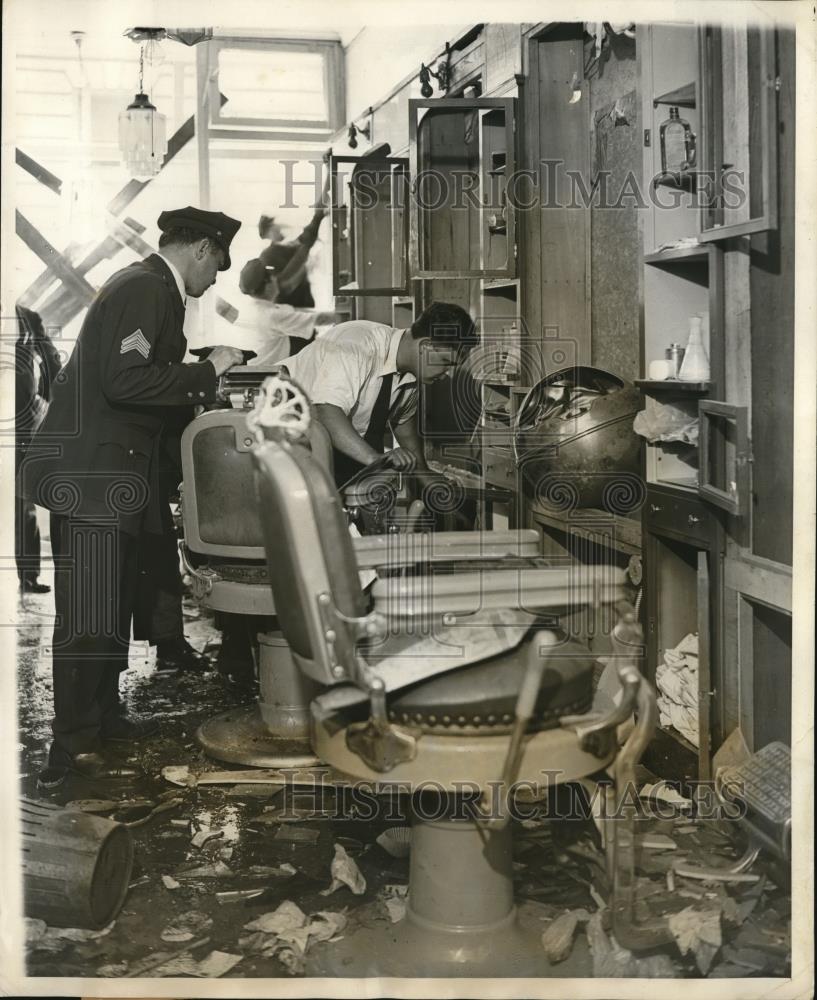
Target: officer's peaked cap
218,227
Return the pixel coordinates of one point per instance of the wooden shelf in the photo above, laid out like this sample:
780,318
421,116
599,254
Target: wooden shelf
496,284
673,385
686,255
690,483
681,97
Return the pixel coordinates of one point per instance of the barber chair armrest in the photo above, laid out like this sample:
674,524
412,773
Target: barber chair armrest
462,594
404,549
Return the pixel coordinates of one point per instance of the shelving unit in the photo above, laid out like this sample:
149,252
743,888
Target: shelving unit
682,536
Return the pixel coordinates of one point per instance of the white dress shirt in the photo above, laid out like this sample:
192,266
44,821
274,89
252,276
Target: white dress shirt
345,366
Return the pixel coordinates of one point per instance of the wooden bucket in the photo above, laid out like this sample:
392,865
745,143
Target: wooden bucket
76,867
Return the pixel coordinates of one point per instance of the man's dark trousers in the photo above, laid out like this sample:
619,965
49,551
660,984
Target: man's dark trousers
95,582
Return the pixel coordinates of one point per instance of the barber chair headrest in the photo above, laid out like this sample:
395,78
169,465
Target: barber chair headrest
312,565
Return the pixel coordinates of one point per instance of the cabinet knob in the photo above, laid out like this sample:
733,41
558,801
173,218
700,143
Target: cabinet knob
655,507
693,519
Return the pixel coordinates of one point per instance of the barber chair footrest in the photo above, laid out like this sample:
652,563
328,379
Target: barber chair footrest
240,736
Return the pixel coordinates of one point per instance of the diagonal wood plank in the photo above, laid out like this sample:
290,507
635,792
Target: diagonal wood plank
64,270
38,171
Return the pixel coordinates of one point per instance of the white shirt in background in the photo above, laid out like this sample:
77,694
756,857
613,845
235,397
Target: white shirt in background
265,327
345,366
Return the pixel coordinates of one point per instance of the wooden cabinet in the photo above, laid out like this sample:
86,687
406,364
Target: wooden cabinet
682,557
720,254
369,225
461,152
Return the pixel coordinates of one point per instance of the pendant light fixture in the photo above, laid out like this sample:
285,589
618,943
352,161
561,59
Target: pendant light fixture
142,129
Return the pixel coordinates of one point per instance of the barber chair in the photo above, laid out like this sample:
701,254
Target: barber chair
461,683
224,554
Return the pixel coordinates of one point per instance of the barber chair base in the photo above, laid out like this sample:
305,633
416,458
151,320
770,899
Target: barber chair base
455,762
241,736
407,950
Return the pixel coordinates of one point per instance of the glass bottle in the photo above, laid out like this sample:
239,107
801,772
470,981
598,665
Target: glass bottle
695,366
677,142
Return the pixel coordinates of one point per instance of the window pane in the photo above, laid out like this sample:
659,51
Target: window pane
272,84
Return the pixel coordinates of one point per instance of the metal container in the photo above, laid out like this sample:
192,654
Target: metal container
590,459
76,867
675,356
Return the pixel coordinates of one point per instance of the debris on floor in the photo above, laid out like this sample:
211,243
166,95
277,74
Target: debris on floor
232,874
557,938
345,872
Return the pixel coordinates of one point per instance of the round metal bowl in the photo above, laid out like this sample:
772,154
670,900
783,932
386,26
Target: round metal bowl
587,460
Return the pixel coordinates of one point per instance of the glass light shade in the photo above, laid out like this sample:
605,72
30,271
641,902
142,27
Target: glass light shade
142,137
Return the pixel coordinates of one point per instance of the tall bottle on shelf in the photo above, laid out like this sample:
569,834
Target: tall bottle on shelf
695,366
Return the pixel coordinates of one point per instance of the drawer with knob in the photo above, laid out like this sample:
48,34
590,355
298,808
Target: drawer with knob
681,515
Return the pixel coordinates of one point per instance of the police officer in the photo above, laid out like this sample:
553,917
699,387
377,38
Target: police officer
97,463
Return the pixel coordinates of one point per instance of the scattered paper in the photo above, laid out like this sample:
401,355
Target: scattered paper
557,938
288,931
294,964
665,793
611,961
217,870
169,882
345,871
113,970
396,908
216,964
187,927
201,838
396,841
179,774
288,916
698,931
657,842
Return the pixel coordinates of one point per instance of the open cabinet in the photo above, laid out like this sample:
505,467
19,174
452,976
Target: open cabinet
713,251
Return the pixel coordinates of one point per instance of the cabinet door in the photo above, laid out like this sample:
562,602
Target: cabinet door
738,170
369,225
462,154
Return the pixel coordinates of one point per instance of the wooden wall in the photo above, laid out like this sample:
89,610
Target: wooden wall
615,265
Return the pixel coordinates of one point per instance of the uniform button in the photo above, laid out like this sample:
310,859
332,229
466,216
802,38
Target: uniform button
130,451
201,394
190,395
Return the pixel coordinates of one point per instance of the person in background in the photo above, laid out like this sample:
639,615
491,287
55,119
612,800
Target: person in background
287,260
276,330
362,375
36,364
98,463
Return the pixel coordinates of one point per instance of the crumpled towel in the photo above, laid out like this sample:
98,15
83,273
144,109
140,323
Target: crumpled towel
677,682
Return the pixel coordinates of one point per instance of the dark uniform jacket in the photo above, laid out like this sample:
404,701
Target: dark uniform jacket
108,447
36,363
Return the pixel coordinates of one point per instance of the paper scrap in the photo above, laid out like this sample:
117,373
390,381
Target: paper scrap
698,931
345,871
286,917
187,927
